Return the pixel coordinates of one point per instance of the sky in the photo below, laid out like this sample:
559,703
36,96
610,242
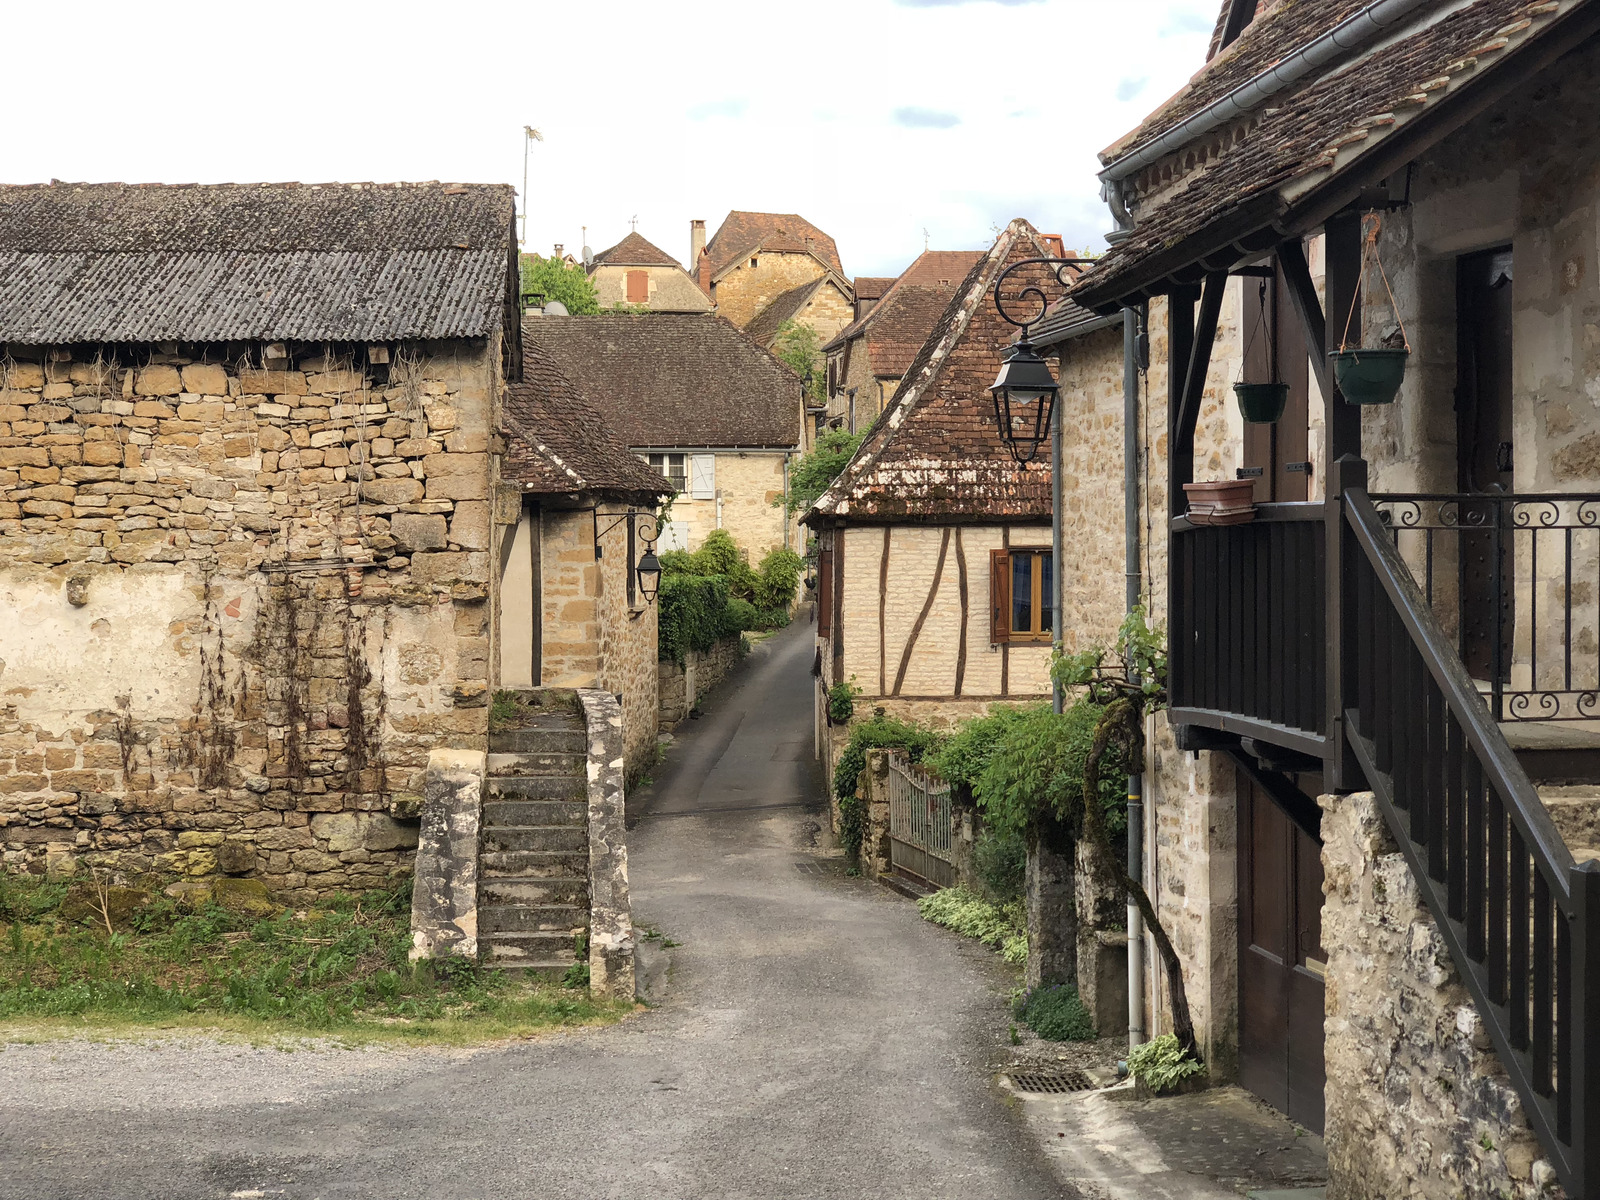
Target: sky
890,124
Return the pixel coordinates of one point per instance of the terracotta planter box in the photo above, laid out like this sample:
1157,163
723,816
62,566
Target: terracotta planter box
1221,502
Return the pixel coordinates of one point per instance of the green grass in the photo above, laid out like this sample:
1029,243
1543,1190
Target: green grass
338,971
1003,926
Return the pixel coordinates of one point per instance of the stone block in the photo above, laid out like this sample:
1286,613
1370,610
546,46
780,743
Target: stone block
334,382
439,566
205,379
159,380
24,375
459,487
469,526
272,383
341,831
389,491
209,412
235,857
102,454
382,832
444,898
419,531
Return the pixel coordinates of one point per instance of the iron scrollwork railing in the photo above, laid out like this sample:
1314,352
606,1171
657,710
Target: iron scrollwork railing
1514,581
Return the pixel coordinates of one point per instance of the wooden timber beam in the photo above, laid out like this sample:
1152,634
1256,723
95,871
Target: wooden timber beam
1303,295
1195,364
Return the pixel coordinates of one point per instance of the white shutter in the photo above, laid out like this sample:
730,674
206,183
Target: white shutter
703,476
673,536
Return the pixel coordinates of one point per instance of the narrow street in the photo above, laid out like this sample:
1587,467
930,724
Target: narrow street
816,1039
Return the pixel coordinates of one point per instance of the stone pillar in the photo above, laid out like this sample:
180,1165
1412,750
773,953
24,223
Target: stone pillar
1102,950
444,895
1052,916
610,912
874,793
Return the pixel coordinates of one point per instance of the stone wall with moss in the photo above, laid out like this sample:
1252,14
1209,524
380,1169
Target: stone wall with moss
243,604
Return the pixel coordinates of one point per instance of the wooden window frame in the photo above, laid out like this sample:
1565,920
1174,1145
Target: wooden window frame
1001,570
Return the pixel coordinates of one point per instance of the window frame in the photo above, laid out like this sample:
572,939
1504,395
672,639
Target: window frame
680,483
1001,575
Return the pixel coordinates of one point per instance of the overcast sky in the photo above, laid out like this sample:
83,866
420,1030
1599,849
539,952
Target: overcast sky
876,119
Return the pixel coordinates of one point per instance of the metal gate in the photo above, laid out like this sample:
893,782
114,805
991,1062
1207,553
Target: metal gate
920,827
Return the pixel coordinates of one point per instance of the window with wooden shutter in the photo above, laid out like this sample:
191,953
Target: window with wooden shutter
825,594
703,476
638,287
1021,593
999,596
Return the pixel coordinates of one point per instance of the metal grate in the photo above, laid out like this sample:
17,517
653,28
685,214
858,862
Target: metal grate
1051,1081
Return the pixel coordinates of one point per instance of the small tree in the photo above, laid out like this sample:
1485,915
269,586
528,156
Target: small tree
800,348
812,473
547,279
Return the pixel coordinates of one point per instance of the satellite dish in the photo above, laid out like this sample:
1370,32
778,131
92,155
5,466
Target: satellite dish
556,309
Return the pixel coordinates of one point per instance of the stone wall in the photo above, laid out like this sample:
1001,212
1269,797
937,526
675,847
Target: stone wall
246,604
873,392
745,290
682,687
828,311
1418,1104
747,483
670,288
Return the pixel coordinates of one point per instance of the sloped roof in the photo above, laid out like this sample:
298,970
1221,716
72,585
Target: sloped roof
898,324
742,233
338,262
935,453
675,379
556,440
635,251
1279,166
763,329
872,287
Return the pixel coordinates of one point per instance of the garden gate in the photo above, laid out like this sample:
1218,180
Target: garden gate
921,830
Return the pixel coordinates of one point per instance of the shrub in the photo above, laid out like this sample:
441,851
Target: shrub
1056,1013
842,701
1001,859
1034,768
741,615
1160,1064
880,733
693,614
777,580
772,618
1003,926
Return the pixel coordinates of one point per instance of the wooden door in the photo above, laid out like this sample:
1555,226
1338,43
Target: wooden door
1281,960
1277,456
1483,454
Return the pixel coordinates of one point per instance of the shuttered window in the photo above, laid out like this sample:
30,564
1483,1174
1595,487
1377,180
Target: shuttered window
1020,593
638,287
703,476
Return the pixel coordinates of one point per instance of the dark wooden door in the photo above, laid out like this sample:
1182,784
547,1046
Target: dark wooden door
1277,456
1483,454
1281,960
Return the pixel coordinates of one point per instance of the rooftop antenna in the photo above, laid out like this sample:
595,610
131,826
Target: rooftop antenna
529,136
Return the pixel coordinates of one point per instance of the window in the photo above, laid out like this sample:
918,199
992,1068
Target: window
755,262
638,287
674,466
1020,593
703,476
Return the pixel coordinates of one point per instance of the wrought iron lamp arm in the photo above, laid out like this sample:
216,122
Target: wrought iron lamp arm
1033,291
650,521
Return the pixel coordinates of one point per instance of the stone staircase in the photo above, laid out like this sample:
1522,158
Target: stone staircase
533,868
1563,761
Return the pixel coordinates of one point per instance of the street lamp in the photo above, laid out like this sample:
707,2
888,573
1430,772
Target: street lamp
649,574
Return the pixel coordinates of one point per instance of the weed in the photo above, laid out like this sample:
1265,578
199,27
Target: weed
1003,926
1055,1012
1016,1038
1160,1064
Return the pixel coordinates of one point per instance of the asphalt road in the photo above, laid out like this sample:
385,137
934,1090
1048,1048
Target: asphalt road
816,1039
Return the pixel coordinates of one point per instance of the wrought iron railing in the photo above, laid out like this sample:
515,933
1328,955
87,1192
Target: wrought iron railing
1514,581
1521,920
921,824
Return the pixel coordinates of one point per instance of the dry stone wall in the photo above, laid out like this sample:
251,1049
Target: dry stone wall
245,604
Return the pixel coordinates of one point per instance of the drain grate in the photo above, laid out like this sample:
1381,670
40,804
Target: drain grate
1051,1081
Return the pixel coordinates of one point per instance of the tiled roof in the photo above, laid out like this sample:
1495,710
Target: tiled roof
635,251
675,379
339,262
556,441
742,233
1246,177
935,452
898,324
1068,320
763,329
872,287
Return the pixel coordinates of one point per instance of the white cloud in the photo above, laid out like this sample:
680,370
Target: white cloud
705,107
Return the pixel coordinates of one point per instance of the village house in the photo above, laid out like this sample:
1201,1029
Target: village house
638,274
763,269
712,412
868,358
1371,806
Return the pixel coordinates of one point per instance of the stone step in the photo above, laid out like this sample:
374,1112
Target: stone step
532,918
1555,752
546,735
544,762
546,890
533,864
528,949
1575,810
535,812
573,838
538,787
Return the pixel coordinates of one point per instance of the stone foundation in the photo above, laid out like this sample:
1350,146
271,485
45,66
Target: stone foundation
1417,1103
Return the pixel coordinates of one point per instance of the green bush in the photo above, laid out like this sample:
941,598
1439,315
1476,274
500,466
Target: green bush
772,618
1160,1064
693,614
1056,1013
741,615
1001,859
1003,926
777,580
689,612
880,733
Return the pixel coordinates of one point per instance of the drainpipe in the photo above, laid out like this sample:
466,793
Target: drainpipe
784,518
1135,582
1057,697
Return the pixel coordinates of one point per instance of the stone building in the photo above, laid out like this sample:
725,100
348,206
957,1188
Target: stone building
1427,185
637,273
572,613
772,268
706,407
934,564
868,358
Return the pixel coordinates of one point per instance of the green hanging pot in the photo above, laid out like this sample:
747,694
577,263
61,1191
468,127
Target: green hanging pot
1261,403
1369,376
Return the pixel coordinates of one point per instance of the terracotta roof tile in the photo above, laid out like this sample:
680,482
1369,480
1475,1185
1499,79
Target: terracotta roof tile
872,287
635,251
744,232
898,324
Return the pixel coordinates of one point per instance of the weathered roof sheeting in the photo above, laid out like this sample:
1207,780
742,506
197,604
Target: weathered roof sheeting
934,453
675,379
557,442
336,262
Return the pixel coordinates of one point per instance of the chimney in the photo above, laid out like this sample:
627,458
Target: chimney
697,243
559,249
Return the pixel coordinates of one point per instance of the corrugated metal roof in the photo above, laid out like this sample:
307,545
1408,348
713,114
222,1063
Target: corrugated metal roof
86,263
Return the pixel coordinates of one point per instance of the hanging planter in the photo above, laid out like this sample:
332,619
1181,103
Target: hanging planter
1221,502
1261,403
1371,374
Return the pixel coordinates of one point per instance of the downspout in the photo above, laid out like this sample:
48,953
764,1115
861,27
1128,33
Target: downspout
1058,699
1354,33
1135,587
784,517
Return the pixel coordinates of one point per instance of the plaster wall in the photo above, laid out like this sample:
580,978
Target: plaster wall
747,483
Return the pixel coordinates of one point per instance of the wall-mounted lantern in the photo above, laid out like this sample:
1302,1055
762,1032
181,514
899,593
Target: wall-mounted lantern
647,572
1025,392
